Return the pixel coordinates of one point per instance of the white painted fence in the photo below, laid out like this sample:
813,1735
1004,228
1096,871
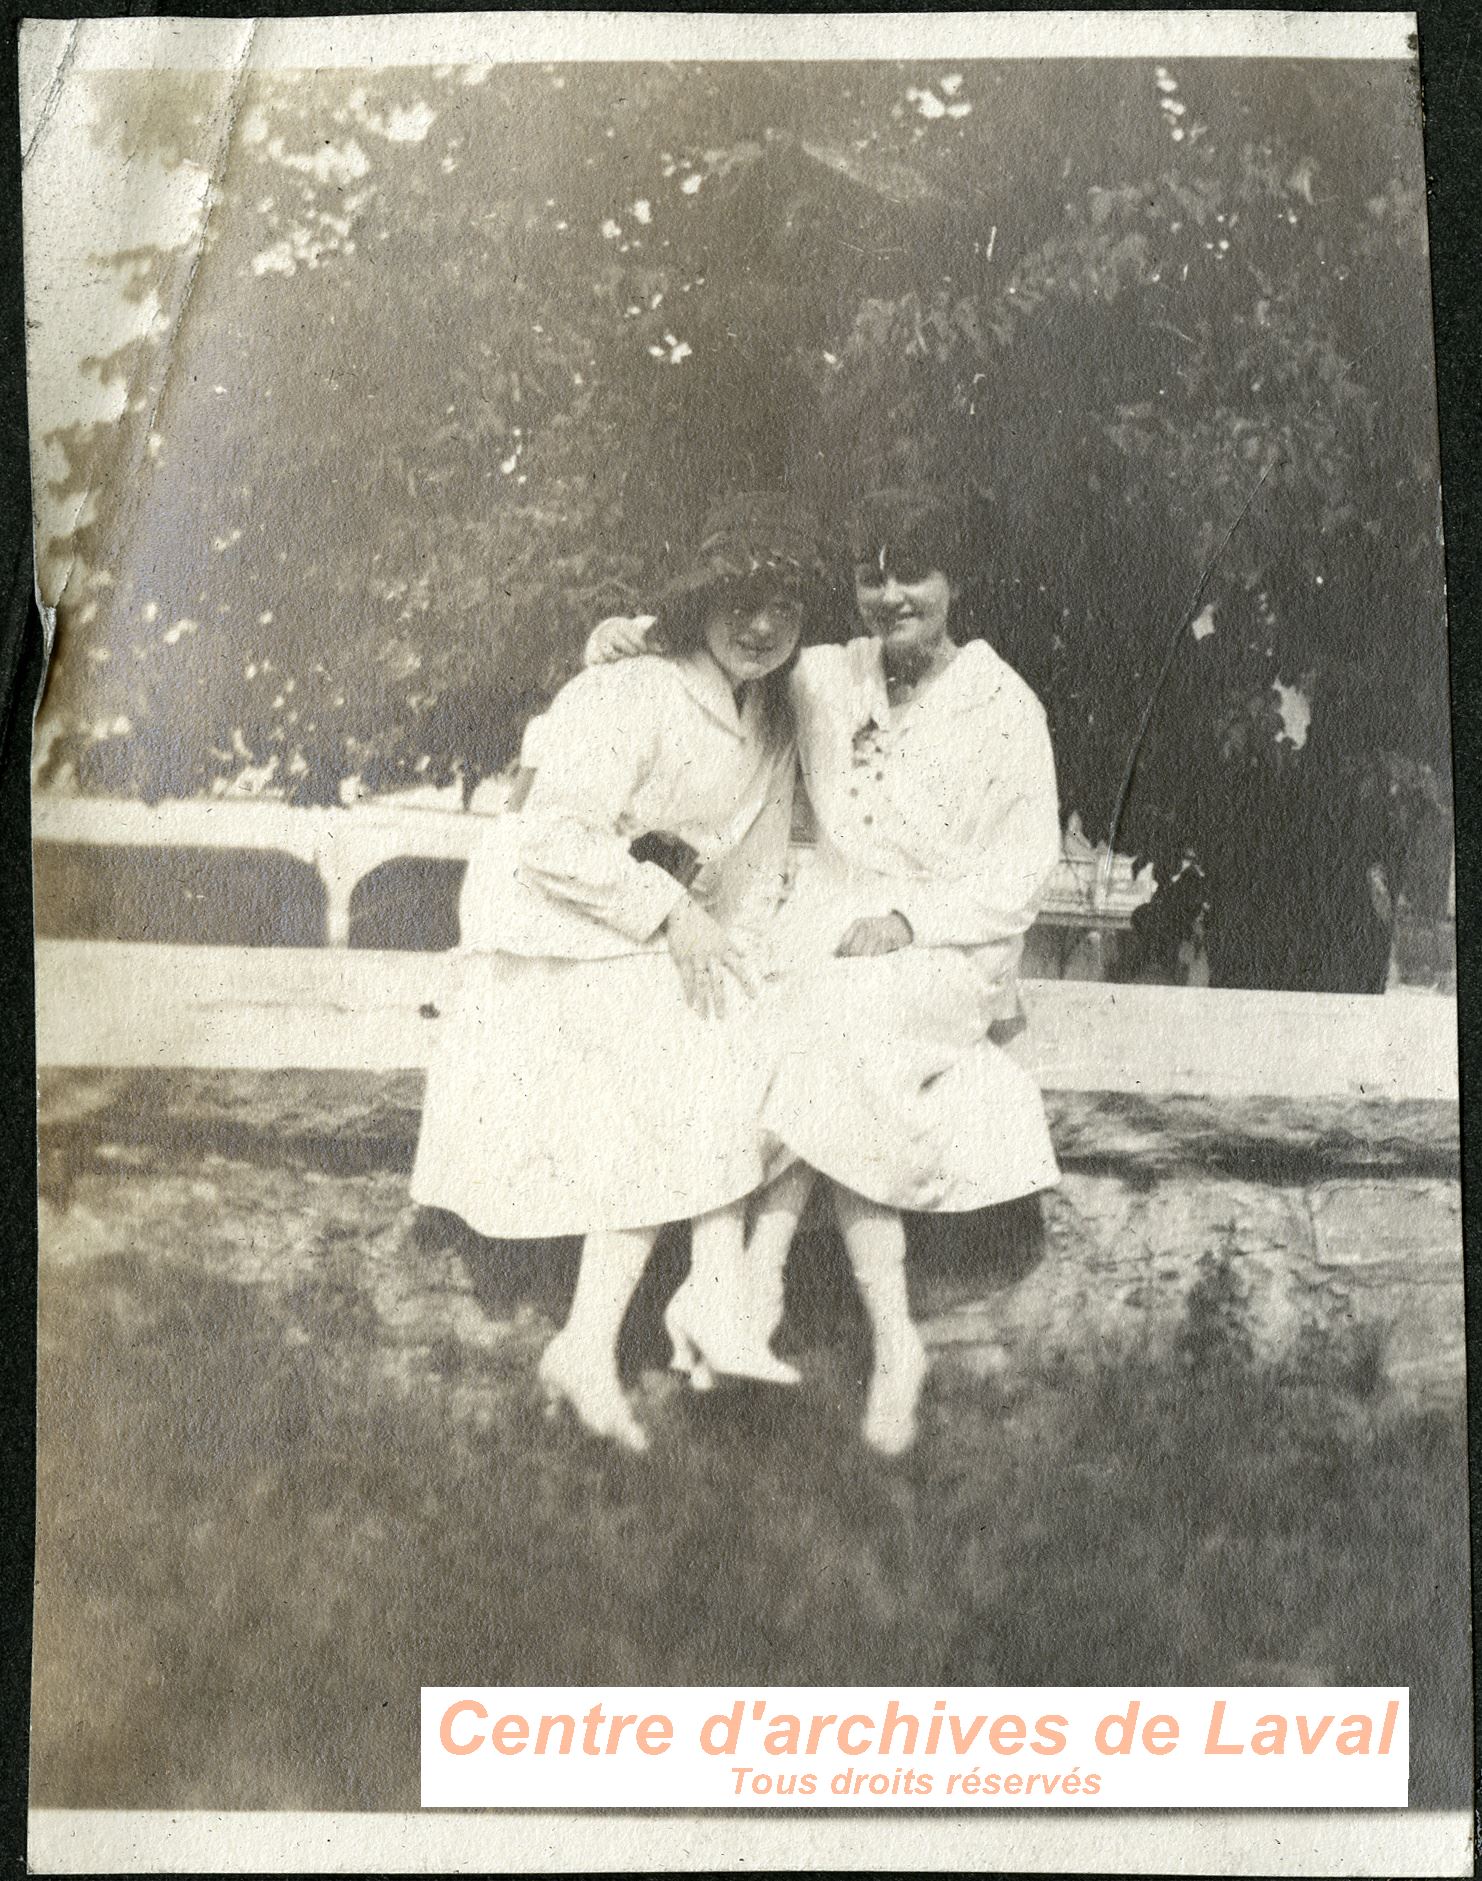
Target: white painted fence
114,1003
102,1003
346,845
343,845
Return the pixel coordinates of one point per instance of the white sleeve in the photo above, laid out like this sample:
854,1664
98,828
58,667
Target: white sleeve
530,744
598,742
1016,850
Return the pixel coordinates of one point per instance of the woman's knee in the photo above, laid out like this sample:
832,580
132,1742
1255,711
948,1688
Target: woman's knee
873,1233
624,1248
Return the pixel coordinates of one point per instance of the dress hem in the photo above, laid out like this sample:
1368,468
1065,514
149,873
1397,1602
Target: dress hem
885,1196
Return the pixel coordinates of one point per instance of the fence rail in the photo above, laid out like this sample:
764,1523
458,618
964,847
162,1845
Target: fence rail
124,1004
347,845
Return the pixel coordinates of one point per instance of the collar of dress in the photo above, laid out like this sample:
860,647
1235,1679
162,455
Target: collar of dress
971,680
708,686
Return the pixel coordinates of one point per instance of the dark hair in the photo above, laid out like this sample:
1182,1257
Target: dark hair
683,617
910,531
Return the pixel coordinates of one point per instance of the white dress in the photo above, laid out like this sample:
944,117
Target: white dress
574,1089
945,812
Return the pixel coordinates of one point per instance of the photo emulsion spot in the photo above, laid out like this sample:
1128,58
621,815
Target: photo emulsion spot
744,905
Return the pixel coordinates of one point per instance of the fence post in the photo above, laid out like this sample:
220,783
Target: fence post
339,877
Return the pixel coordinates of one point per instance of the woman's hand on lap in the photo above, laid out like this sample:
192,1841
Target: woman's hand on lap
620,637
875,934
703,955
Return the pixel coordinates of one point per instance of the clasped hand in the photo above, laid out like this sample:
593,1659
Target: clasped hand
875,934
704,954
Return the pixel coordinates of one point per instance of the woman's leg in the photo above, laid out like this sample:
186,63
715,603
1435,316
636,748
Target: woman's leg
875,1240
715,1320
580,1363
776,1212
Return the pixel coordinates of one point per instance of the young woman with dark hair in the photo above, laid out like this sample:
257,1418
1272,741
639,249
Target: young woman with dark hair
600,1076
928,765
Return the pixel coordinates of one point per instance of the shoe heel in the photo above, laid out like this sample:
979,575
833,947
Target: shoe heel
606,1418
686,1357
554,1396
704,1363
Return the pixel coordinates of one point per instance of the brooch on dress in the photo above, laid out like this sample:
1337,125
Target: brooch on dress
868,744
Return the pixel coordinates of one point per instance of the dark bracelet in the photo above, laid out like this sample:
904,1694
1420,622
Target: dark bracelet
670,853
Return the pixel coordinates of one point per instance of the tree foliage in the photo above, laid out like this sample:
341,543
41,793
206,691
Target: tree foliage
467,352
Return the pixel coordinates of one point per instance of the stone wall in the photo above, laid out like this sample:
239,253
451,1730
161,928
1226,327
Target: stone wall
1278,1228
1319,1228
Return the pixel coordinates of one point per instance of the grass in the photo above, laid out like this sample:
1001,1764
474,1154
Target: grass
254,1547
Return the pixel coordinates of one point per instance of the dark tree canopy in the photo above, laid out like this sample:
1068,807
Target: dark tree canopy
467,353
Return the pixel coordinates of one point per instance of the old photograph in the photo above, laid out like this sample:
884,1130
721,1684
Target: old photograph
744,882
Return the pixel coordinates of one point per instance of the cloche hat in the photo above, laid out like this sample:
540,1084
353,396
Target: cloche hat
749,533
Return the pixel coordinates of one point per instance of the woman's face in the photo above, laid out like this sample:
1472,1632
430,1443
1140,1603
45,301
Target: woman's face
749,639
907,609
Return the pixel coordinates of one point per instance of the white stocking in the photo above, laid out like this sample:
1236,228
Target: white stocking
612,1264
875,1240
713,1319
777,1211
717,1248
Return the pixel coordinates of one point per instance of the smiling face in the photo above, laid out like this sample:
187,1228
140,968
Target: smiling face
750,636
907,609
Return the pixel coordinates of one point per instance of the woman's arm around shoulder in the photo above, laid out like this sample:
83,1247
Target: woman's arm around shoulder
622,637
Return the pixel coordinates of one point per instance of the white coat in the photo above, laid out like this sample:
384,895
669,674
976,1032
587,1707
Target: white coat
575,1090
944,812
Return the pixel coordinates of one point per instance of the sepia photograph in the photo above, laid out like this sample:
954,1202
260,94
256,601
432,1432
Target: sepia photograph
744,886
